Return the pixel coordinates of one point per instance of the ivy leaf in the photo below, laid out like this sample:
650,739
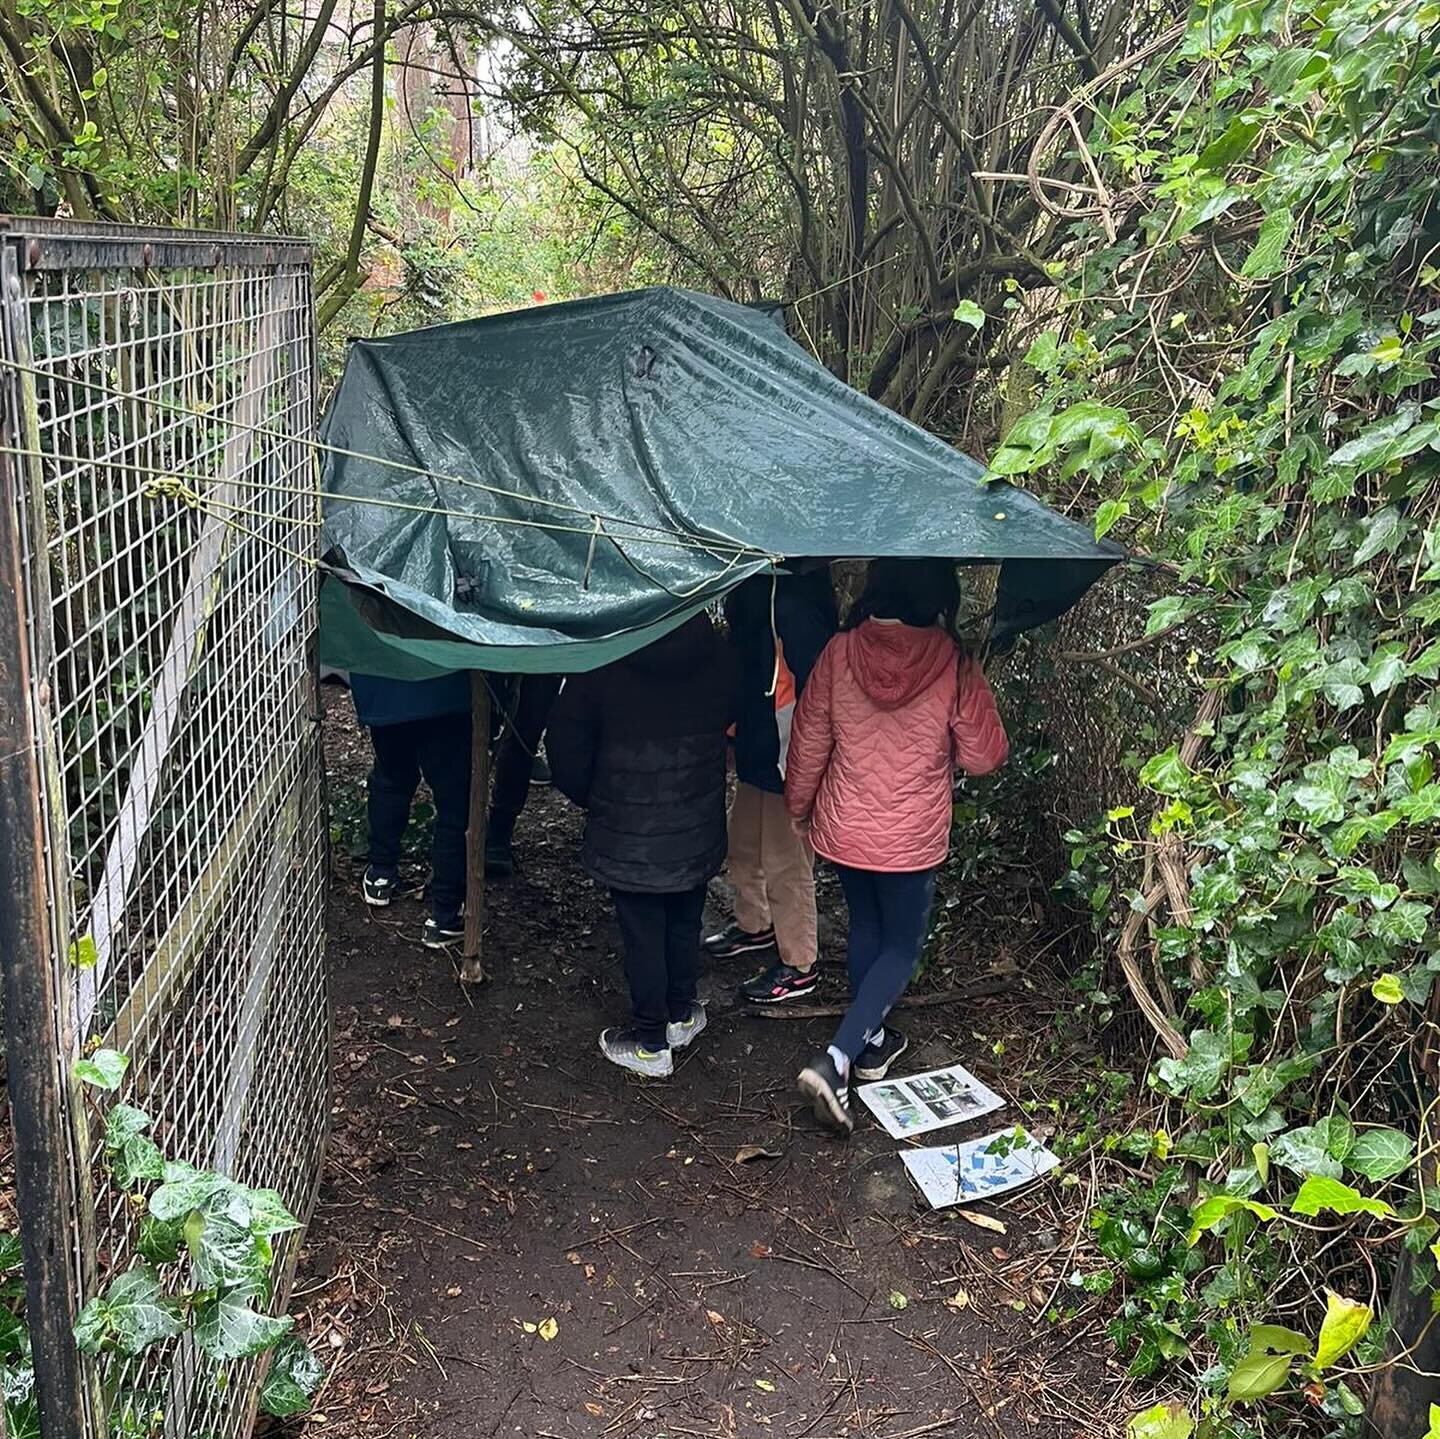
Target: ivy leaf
1269,253
1219,1207
83,954
1322,1192
1201,1069
1383,533
1387,989
1315,1148
1343,1328
1044,352
1380,1154
967,312
1166,773
1109,515
1406,922
1164,1421
295,1375
104,1069
160,1239
130,1316
1234,143
226,1327
268,1214
1277,1339
1258,1375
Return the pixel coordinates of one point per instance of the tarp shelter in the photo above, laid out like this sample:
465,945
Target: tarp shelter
547,490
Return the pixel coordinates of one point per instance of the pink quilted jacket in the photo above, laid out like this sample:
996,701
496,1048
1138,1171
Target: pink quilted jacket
888,713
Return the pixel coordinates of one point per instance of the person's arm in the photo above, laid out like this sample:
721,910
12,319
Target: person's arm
976,733
804,633
812,738
573,738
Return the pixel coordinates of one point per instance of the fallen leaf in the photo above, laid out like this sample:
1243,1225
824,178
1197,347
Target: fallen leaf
595,1411
548,1329
747,1152
453,1290
959,1300
589,1271
982,1221
528,1327
716,1318
1001,1254
766,1385
573,1257
759,1251
898,1300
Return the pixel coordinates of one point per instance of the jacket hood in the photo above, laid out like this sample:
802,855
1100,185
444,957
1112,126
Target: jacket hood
893,663
681,652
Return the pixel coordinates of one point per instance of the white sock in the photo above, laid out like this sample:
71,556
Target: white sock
842,1061
878,1037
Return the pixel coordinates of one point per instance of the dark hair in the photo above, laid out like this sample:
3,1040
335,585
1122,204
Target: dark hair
915,592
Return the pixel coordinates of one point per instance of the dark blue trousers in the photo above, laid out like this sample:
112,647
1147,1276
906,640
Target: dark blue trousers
889,918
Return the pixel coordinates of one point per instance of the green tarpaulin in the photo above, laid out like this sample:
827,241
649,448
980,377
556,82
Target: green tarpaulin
547,490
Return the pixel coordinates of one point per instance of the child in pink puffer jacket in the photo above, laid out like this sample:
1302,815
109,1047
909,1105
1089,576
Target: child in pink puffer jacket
892,707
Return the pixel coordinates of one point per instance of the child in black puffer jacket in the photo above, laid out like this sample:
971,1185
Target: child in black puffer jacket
640,745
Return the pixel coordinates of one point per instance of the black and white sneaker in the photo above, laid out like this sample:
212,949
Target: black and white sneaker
733,941
779,983
379,887
874,1060
443,931
829,1095
681,1032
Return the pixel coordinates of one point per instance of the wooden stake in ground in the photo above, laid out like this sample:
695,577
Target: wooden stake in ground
472,968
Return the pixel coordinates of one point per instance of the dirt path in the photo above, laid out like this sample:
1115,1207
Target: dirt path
490,1175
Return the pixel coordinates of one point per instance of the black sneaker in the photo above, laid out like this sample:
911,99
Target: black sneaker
829,1095
442,932
379,888
499,857
734,941
540,770
875,1060
779,983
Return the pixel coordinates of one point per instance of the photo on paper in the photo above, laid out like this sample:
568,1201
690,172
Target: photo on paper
922,1102
977,1169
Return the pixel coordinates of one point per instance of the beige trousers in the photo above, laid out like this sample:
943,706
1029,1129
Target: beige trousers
773,871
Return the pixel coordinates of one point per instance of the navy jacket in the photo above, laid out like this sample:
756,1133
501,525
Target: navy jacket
640,744
805,619
384,702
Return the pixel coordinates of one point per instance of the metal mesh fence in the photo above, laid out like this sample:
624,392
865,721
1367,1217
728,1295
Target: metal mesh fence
158,394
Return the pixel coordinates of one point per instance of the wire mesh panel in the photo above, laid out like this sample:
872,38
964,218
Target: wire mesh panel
158,397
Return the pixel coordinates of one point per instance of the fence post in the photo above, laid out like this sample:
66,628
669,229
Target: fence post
33,1007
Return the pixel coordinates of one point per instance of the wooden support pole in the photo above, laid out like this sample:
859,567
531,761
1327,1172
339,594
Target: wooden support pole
472,967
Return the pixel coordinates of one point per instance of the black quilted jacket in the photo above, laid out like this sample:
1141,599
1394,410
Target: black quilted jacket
640,745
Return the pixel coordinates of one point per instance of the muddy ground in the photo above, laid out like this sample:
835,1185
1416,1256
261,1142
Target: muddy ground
515,1238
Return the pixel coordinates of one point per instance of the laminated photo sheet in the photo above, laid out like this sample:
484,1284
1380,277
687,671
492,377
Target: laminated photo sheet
977,1169
934,1100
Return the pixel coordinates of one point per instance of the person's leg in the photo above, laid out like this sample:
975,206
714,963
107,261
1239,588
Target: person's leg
642,935
747,874
445,761
789,866
684,913
393,778
902,903
515,755
862,943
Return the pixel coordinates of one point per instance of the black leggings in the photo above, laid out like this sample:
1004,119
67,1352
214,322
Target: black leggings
439,749
661,936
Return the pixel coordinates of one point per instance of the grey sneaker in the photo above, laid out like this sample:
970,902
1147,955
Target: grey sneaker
681,1032
625,1048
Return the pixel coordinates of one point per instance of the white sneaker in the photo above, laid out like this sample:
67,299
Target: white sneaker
623,1047
685,1031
